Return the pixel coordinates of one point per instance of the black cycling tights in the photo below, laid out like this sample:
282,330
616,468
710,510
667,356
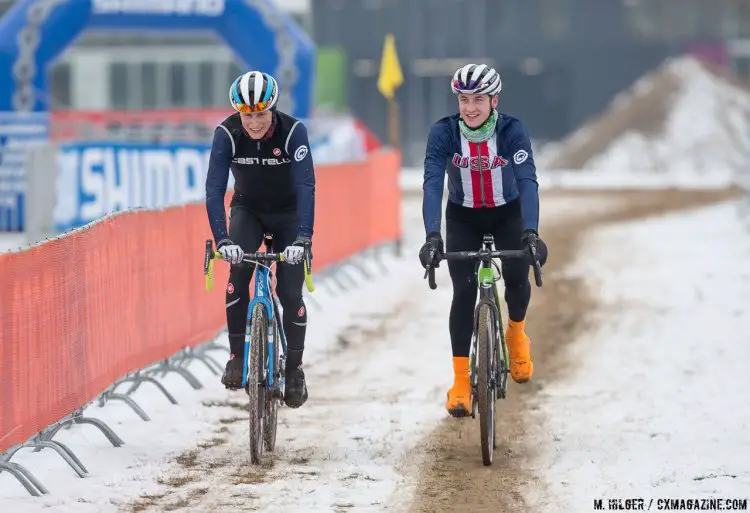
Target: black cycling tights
464,230
246,229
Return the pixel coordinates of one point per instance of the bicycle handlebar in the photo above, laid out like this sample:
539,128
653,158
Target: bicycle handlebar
484,254
259,256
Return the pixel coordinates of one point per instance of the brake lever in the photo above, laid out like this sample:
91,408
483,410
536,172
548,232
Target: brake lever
535,261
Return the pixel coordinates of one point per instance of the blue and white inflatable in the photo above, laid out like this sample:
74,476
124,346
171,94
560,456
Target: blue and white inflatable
34,32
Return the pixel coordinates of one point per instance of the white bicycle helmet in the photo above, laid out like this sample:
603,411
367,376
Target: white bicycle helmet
476,79
254,91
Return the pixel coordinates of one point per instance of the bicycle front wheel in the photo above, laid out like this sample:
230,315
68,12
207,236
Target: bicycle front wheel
255,386
486,370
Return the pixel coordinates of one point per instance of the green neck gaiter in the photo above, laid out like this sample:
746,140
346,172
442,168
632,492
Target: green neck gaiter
481,134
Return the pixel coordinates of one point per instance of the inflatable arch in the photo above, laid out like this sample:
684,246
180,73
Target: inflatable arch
34,32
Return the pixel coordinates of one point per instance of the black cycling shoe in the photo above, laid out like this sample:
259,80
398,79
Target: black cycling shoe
295,393
232,377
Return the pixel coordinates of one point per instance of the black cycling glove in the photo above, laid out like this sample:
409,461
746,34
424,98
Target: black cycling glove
531,238
432,247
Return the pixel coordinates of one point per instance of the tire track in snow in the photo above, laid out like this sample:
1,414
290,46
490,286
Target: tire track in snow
448,462
374,392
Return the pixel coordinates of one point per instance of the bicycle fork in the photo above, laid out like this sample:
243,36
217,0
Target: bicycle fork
276,379
248,340
269,353
501,348
498,379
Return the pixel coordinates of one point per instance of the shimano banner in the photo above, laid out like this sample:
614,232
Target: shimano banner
98,179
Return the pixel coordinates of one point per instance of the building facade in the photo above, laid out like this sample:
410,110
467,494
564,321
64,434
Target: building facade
561,60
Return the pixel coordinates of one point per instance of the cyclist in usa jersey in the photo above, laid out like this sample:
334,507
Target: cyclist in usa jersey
492,188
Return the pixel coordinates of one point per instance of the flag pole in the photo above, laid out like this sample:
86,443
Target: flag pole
393,122
391,77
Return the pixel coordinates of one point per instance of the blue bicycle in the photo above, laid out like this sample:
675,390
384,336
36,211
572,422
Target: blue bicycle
264,365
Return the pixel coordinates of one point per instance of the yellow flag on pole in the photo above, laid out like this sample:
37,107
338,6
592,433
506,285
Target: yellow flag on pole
391,76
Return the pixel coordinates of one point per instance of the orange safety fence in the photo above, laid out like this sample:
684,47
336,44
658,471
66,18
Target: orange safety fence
80,311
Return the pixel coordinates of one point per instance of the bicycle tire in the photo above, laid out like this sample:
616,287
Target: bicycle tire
258,339
502,358
485,382
272,402
501,370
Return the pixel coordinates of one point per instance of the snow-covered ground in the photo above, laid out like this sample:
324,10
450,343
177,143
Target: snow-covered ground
655,402
366,354
377,364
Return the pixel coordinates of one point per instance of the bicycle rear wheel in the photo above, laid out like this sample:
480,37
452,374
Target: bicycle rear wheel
486,371
272,400
255,387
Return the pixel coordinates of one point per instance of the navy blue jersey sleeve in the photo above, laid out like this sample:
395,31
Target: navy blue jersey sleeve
303,173
217,177
524,170
436,155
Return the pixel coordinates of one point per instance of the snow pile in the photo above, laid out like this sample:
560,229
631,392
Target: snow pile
684,120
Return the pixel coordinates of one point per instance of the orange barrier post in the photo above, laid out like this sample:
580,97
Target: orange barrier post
85,309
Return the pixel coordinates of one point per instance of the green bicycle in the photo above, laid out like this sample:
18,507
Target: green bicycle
488,355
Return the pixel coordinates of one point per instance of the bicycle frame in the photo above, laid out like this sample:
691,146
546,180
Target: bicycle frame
489,294
268,299
263,295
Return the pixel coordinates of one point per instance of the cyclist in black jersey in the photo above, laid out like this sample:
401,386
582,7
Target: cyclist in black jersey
269,155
